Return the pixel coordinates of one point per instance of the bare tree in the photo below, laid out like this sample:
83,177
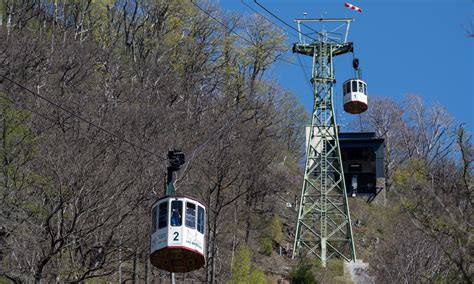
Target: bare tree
438,196
427,135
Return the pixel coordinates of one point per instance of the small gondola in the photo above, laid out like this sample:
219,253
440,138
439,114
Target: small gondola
355,96
177,236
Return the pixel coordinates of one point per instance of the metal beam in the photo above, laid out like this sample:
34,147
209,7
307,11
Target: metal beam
323,228
340,20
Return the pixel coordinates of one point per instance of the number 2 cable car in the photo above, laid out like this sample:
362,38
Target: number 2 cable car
177,233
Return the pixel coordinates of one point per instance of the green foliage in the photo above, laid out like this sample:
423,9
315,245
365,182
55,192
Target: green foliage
17,137
303,273
310,271
411,176
99,14
95,281
268,43
258,277
17,148
241,266
335,266
266,245
242,270
332,273
273,231
3,18
4,280
17,145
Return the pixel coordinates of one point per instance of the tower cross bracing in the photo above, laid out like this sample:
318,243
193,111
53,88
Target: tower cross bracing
323,228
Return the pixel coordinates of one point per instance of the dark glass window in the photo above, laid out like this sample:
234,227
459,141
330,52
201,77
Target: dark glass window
200,220
347,88
365,89
176,211
361,87
163,218
153,219
354,86
190,215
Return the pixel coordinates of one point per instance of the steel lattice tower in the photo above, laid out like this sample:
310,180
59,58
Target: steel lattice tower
324,225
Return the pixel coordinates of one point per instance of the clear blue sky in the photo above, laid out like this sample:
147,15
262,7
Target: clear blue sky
417,46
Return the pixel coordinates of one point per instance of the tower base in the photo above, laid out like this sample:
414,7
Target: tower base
359,272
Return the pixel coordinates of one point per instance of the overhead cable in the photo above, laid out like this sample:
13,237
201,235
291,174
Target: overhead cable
209,15
81,118
266,18
290,26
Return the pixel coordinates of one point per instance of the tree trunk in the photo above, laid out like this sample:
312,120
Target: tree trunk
147,265
134,273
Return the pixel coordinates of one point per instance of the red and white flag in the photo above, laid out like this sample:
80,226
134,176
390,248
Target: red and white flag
352,7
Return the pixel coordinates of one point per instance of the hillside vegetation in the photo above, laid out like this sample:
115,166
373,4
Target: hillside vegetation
93,94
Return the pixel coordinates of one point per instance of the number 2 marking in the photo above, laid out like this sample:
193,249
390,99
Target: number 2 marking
176,235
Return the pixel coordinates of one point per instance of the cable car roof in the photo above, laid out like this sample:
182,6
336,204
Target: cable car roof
354,79
178,195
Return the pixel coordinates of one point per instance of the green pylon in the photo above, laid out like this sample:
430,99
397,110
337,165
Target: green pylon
323,227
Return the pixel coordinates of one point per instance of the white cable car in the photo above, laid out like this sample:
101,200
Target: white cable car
355,96
177,234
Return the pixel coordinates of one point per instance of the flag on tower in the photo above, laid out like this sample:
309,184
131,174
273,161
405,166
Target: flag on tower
352,7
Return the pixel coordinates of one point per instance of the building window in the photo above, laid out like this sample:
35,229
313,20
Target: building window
200,220
190,215
163,217
153,219
176,211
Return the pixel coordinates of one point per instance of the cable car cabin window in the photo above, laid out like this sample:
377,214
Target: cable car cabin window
354,86
190,215
153,219
200,220
176,210
163,217
361,87
365,89
347,88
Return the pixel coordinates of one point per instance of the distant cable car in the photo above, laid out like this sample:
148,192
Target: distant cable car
177,227
177,234
355,96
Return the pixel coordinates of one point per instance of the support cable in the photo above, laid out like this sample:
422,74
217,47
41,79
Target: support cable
270,21
290,26
308,79
231,122
46,117
81,118
236,33
282,21
294,34
301,65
